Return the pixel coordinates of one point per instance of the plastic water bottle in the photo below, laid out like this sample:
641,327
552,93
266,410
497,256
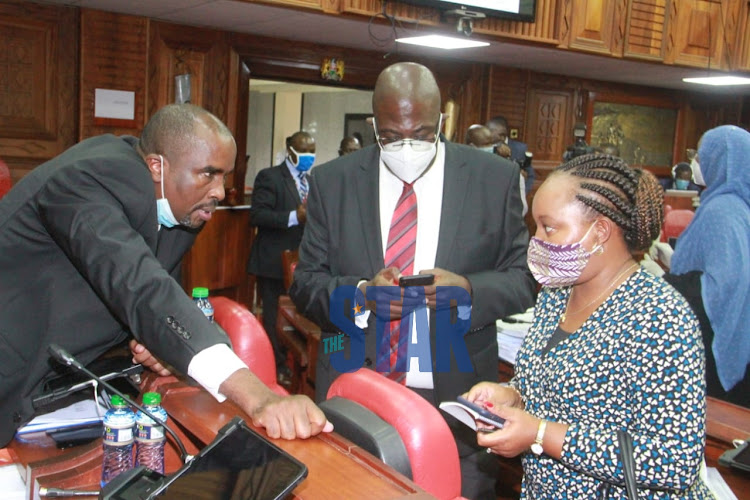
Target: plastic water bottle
119,423
150,436
200,297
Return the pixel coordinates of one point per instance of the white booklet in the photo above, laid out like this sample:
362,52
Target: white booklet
468,413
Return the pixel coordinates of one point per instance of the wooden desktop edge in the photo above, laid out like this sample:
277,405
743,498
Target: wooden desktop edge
205,431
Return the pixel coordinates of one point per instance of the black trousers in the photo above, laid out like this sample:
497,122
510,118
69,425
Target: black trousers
479,469
269,290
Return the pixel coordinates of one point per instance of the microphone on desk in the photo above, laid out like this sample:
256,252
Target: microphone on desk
68,359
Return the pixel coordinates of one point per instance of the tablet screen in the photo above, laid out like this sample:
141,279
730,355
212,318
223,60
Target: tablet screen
242,466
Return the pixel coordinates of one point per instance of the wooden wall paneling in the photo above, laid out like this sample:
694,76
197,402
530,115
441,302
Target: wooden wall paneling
549,112
741,53
203,53
114,56
646,28
38,80
696,33
593,26
238,99
507,97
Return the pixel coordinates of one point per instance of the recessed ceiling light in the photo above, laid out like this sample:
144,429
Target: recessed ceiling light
442,42
719,80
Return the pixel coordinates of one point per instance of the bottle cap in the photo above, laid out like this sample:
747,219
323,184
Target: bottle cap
200,292
151,399
117,401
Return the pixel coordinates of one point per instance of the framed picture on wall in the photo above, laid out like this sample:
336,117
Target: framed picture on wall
356,125
646,131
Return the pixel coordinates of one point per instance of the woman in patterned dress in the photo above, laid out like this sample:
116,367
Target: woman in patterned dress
611,347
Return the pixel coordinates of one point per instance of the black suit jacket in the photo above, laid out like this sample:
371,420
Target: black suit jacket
83,265
274,196
482,237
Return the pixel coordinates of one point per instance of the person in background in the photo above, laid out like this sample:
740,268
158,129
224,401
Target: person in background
682,179
612,347
349,145
480,137
711,262
279,211
416,203
90,246
518,150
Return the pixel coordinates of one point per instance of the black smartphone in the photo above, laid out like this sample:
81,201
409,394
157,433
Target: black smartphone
484,414
739,457
416,280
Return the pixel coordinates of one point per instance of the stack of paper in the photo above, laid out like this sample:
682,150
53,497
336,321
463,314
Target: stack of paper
510,334
75,415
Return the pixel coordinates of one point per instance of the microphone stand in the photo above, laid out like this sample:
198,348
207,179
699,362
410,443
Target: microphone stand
66,358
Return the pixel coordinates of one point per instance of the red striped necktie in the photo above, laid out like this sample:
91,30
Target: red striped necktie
400,252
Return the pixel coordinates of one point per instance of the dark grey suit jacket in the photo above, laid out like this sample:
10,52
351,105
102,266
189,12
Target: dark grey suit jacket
274,196
482,237
83,265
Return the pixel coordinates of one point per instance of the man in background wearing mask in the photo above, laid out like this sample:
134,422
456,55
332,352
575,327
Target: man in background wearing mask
416,203
480,137
90,245
519,151
279,211
682,178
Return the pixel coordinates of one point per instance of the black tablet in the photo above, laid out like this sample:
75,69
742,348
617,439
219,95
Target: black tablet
239,464
243,465
739,457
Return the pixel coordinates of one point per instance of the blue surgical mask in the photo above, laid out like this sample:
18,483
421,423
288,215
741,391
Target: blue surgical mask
304,160
487,149
163,210
682,184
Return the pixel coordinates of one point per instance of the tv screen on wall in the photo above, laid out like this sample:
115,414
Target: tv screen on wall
517,10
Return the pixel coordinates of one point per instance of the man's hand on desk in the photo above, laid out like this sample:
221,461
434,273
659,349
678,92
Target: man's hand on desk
143,356
288,417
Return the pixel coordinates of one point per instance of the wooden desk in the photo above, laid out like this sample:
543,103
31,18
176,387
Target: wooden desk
337,468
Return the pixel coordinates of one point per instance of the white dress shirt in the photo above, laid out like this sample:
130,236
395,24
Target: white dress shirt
429,191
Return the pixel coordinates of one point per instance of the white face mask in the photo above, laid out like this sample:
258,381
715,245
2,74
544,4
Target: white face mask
163,210
697,174
407,164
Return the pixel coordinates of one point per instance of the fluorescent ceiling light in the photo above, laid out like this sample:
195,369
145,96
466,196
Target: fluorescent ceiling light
442,42
719,80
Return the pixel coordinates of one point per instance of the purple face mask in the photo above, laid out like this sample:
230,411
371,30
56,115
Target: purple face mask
556,265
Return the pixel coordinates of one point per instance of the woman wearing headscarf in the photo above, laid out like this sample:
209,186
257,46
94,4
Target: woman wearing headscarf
612,348
711,262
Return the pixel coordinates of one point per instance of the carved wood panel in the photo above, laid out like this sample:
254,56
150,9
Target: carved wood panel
696,31
549,112
113,56
593,26
645,29
38,83
741,59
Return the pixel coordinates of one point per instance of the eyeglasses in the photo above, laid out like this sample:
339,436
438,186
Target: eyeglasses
418,144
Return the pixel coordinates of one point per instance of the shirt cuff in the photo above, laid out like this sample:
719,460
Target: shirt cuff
293,221
361,319
212,366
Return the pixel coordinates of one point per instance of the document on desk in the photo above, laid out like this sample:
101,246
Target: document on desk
76,415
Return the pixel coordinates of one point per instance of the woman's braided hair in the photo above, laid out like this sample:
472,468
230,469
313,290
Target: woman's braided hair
631,197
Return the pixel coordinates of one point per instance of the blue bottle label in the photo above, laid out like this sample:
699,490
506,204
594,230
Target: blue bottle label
118,436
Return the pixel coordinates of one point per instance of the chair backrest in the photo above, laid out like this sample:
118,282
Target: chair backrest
675,222
249,340
5,183
289,260
429,442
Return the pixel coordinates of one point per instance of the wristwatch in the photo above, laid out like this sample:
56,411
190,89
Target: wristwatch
536,446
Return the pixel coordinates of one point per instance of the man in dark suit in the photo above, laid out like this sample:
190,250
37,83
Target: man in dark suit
279,212
499,128
468,232
89,244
